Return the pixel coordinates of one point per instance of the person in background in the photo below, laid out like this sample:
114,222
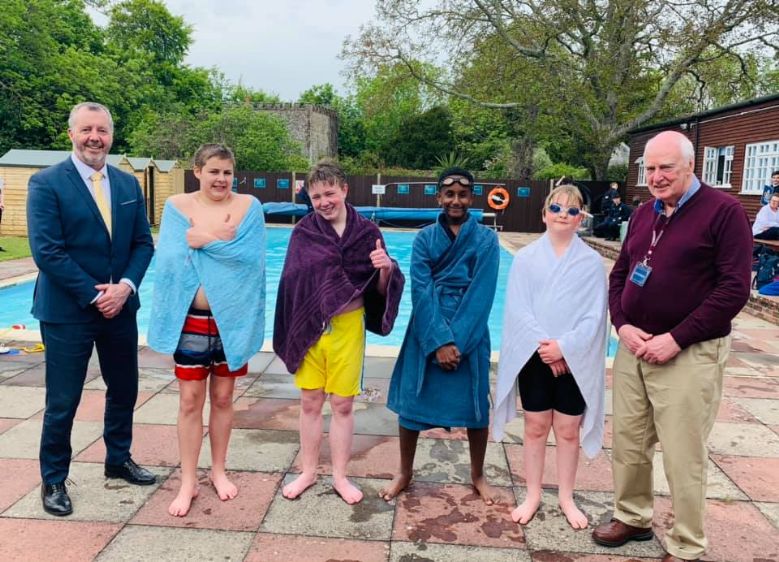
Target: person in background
636,202
609,228
766,226
770,189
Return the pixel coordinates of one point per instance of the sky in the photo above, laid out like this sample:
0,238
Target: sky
278,46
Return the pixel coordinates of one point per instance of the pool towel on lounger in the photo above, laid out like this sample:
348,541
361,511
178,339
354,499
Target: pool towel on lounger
556,298
322,275
232,273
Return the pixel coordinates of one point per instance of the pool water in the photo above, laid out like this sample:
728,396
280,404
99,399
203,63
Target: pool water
16,300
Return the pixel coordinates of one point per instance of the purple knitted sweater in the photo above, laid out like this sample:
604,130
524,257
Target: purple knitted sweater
701,269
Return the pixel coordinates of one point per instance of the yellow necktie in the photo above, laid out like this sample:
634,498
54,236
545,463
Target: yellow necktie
97,186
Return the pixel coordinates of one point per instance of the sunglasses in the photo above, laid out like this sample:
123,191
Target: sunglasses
554,208
456,179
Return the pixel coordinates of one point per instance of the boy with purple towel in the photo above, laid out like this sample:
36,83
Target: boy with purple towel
337,281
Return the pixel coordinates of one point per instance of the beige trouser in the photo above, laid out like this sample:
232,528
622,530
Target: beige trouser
675,403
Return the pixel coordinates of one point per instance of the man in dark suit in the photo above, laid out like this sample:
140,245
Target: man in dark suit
91,242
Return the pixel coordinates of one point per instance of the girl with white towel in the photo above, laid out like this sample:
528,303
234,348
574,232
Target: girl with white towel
553,349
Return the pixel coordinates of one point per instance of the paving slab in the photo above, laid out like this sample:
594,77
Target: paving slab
20,401
64,541
273,386
9,370
771,512
743,439
268,547
591,474
736,531
379,367
242,513
719,486
169,544
95,497
431,552
757,477
763,409
448,460
256,449
549,530
8,423
149,379
155,445
25,475
35,376
260,361
147,357
23,440
266,413
751,387
453,513
732,410
374,390
373,456
320,511
164,409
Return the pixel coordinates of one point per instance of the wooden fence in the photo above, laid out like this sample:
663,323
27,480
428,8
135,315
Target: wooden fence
523,213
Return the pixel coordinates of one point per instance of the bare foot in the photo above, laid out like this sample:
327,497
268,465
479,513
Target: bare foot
225,489
299,485
486,491
179,507
398,484
526,510
573,514
349,493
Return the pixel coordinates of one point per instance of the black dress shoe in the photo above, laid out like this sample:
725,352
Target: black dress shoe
55,499
131,472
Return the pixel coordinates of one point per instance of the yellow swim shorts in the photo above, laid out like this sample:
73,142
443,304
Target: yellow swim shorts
335,361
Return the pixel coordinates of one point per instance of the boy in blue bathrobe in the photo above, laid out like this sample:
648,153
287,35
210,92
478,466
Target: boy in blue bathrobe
441,377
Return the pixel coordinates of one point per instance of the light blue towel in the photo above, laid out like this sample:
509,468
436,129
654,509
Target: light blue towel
232,274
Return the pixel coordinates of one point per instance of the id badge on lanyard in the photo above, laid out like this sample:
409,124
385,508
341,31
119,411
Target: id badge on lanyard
642,269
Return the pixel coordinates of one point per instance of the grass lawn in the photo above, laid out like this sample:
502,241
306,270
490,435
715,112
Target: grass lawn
15,247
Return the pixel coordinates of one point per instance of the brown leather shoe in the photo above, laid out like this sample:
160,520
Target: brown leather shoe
617,533
672,558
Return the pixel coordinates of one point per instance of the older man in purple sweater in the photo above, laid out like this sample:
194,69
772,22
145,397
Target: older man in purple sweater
682,275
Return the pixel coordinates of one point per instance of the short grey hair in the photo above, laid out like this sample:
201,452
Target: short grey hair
91,106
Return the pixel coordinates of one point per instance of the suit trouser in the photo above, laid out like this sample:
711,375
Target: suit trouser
68,349
675,403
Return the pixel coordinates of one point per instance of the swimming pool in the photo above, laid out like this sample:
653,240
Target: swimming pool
16,300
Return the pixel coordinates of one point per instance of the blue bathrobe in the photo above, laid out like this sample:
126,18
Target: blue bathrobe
452,287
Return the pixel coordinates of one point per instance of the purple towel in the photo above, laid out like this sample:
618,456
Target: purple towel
322,275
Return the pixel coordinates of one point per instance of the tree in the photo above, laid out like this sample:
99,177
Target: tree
259,140
421,139
604,66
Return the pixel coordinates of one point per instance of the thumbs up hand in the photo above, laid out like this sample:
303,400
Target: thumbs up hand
379,257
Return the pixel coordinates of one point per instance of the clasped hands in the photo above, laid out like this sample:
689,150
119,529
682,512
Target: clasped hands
550,353
198,235
112,300
655,349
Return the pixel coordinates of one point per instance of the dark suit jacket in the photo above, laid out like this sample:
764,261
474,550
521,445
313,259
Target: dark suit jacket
71,245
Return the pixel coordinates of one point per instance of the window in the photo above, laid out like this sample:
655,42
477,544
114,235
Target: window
717,165
641,171
759,161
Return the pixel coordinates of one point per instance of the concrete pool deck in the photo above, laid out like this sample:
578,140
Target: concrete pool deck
438,518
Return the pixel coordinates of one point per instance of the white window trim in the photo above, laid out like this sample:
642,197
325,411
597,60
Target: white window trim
641,179
750,183
711,158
